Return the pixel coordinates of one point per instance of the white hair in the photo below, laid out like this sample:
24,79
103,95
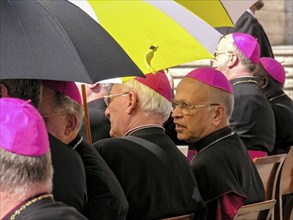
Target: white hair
19,174
150,101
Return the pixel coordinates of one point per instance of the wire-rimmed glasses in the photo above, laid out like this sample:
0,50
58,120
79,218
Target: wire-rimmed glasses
186,108
109,98
218,52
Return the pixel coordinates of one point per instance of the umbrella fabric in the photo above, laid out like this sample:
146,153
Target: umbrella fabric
55,40
218,13
155,34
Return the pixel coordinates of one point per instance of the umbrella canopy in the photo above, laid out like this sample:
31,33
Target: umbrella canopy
218,13
155,34
55,40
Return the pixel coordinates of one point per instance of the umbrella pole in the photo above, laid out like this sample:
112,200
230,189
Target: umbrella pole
86,115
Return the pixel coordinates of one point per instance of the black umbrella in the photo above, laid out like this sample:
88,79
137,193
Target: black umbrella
55,40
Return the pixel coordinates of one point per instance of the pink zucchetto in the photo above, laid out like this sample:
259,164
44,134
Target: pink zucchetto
211,77
274,69
248,46
66,88
22,129
157,82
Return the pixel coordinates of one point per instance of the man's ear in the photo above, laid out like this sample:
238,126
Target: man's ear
3,91
71,123
133,101
219,115
265,82
233,59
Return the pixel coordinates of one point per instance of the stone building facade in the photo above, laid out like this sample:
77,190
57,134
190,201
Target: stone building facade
277,20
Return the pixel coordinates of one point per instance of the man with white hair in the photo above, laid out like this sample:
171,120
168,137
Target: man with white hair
155,176
26,169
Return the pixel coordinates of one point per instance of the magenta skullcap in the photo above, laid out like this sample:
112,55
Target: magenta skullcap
66,88
274,69
22,129
211,77
248,46
157,82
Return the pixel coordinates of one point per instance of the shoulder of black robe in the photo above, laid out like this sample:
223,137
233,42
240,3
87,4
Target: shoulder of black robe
153,189
106,199
99,123
47,209
282,106
226,166
249,25
69,181
252,118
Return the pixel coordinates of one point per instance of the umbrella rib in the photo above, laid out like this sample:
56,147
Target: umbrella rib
26,38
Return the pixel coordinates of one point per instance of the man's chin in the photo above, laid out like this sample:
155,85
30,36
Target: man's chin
183,137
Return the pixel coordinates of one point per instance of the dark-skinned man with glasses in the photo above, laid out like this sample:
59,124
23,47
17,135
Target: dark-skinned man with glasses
226,175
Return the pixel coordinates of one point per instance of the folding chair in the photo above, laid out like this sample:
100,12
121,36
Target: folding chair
269,168
181,217
256,211
285,186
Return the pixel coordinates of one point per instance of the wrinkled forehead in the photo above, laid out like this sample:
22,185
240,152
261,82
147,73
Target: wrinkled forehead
226,43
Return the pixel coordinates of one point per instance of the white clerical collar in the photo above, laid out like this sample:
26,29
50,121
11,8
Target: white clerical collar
131,131
250,12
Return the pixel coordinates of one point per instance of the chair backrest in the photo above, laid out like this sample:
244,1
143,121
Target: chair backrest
286,174
285,184
181,217
268,169
260,210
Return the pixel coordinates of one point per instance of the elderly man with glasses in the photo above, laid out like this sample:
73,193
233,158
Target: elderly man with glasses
62,111
69,177
237,56
155,176
226,175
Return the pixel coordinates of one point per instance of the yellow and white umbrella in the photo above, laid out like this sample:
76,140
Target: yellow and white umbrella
155,34
218,13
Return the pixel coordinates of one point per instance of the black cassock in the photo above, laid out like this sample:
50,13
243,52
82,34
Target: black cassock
106,199
158,183
282,106
223,165
252,117
45,209
248,24
69,181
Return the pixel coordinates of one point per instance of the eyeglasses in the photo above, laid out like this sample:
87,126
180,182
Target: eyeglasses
109,98
218,52
50,115
186,108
